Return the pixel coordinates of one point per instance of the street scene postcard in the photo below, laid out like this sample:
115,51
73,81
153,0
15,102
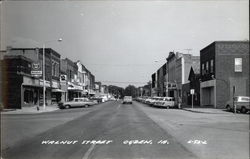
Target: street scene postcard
124,79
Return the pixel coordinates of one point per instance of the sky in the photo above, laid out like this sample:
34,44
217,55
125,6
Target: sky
122,42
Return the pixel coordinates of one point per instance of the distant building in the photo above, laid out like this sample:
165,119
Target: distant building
178,69
161,81
224,66
154,84
74,89
194,83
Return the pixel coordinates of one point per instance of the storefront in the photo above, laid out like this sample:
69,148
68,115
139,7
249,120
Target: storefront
30,90
74,91
47,93
56,92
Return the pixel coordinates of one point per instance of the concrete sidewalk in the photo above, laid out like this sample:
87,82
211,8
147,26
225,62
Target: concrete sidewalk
30,110
207,110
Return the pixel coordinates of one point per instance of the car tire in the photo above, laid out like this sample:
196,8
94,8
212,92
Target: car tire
243,110
86,106
228,108
67,106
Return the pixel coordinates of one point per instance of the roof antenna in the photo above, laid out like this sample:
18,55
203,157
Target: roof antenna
188,50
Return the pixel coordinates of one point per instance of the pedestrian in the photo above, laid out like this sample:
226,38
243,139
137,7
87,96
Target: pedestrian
179,102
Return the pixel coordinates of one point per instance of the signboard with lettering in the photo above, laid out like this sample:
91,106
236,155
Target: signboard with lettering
36,69
191,91
63,78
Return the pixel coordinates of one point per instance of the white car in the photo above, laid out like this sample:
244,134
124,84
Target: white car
241,103
127,99
153,100
167,102
76,102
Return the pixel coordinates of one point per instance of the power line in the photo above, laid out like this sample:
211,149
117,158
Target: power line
122,82
121,65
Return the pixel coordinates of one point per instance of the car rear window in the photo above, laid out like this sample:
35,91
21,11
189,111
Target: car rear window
127,97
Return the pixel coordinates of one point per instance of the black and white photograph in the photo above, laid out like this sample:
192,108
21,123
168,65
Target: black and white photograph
124,79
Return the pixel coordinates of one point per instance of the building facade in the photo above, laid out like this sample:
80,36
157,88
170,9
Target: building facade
224,68
154,85
32,85
178,69
74,89
16,79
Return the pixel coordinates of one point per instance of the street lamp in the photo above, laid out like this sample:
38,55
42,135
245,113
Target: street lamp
44,88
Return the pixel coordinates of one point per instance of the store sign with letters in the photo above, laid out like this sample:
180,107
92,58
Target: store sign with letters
36,69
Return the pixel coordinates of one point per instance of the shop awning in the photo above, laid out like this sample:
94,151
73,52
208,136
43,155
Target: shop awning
57,90
74,89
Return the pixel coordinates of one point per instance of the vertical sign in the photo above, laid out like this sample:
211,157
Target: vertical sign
192,93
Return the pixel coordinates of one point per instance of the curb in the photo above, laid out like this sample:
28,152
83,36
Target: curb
195,111
14,112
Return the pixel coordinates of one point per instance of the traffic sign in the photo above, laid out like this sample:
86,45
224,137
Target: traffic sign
191,91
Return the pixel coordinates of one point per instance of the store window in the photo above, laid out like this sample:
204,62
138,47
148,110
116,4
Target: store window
203,69
238,64
207,67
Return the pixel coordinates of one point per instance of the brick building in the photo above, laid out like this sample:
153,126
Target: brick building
154,84
15,71
74,89
223,65
178,69
32,85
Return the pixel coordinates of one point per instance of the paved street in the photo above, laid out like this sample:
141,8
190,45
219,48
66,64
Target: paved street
115,130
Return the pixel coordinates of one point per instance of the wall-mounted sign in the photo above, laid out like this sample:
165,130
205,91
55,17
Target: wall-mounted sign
36,69
63,78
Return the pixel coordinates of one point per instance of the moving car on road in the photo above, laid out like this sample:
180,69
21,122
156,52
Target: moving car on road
77,102
127,99
241,102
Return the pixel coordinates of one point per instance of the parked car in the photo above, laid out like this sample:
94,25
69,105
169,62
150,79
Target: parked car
241,102
77,102
104,98
153,100
127,99
97,99
167,102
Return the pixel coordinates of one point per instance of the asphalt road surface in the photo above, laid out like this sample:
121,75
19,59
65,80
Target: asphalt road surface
110,130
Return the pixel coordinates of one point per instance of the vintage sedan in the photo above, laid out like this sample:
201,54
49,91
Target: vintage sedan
166,102
77,102
241,103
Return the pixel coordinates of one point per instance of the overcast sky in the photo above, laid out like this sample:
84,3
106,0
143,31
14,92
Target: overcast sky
119,41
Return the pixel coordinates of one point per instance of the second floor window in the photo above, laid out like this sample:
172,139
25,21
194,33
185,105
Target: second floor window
207,67
203,69
212,66
238,64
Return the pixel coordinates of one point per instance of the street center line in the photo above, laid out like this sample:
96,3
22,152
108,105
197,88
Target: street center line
86,155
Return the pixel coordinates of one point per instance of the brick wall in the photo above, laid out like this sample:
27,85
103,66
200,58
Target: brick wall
226,76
